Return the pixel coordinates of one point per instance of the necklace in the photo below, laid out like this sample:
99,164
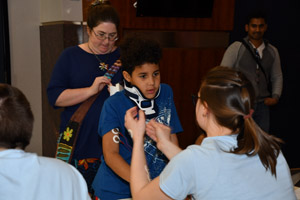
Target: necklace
102,65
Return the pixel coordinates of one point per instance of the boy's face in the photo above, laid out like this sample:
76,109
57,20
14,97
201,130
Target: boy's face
146,77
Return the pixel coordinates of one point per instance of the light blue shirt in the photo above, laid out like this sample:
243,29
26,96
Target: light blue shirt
28,176
209,172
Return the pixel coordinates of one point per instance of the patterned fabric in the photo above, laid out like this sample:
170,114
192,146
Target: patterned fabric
66,141
88,168
156,160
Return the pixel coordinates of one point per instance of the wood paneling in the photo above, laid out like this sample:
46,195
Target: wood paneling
54,37
183,69
221,20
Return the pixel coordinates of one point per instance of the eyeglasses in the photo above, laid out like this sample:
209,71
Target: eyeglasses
102,36
195,99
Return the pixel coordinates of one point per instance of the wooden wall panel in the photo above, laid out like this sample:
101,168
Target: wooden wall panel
221,20
183,69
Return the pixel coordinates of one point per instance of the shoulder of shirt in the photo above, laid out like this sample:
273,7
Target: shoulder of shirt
72,48
235,44
53,164
116,97
271,47
165,86
193,151
69,51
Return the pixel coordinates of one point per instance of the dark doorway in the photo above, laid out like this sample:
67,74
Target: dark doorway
283,33
4,44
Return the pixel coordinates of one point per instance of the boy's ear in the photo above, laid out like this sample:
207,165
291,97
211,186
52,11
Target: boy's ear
127,76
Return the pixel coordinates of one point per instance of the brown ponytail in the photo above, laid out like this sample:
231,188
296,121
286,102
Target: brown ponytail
230,97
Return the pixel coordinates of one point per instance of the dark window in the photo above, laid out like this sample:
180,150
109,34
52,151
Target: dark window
4,44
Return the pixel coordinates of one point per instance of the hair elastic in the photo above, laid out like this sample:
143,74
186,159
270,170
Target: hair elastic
249,115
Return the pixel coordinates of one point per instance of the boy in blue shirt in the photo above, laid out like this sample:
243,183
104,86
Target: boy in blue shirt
140,58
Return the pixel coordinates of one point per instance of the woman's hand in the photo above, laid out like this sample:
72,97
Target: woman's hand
160,133
98,84
118,63
135,123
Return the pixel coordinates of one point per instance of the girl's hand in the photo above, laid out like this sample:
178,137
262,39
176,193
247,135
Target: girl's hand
158,132
135,123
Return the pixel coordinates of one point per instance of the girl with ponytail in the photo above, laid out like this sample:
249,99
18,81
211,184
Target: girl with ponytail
237,160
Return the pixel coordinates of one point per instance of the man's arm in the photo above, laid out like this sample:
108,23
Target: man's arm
276,79
231,55
276,75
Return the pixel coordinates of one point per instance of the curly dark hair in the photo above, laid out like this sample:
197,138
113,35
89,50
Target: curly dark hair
137,49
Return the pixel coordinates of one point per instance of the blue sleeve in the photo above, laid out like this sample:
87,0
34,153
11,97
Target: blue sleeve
109,118
175,122
59,79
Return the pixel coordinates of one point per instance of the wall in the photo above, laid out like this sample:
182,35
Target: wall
25,18
61,10
24,21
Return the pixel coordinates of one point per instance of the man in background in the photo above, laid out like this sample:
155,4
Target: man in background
260,62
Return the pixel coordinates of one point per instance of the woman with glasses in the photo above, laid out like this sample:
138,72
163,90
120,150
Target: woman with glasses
237,159
79,74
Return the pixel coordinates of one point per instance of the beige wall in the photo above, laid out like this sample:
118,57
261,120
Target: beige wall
25,18
61,10
24,21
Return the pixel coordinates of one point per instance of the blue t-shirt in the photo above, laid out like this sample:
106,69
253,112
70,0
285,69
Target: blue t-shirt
107,184
77,68
210,172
